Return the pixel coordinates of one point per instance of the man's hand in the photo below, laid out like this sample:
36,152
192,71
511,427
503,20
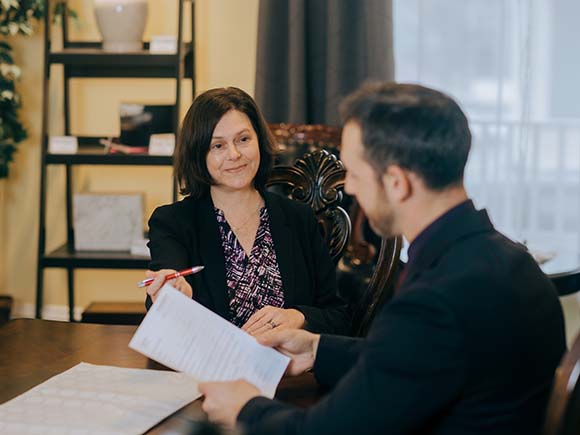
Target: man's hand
179,283
298,344
224,400
269,317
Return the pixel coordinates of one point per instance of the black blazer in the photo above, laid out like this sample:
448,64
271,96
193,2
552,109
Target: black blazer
468,346
185,234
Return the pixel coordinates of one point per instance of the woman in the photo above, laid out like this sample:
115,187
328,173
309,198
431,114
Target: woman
266,265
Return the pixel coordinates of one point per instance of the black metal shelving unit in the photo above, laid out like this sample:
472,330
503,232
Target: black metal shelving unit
88,60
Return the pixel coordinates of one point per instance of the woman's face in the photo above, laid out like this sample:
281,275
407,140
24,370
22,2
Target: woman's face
234,153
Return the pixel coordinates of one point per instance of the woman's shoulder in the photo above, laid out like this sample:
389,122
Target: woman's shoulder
294,210
183,207
288,204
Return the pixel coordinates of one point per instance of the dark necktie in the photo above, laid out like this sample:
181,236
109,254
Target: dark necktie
401,279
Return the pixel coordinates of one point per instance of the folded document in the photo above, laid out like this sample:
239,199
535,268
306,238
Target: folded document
184,335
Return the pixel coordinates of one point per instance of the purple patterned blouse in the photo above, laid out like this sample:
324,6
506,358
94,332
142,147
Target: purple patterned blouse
255,281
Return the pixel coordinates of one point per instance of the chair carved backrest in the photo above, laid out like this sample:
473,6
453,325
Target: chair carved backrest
563,414
381,287
310,171
316,179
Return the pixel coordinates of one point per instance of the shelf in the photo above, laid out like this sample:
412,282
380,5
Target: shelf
89,153
88,59
61,257
96,156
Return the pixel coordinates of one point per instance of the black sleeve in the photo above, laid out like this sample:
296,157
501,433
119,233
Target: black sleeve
329,313
335,356
413,365
165,243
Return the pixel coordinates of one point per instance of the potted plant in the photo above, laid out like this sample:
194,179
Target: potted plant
17,17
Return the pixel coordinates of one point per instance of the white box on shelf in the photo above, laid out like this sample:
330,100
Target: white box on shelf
163,44
63,145
162,144
107,222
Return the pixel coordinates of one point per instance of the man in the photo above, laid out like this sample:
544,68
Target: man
469,343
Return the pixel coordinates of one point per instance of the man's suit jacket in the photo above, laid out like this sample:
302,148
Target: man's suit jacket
468,346
185,233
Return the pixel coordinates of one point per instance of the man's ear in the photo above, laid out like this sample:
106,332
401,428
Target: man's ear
397,183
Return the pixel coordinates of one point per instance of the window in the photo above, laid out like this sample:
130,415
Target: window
513,66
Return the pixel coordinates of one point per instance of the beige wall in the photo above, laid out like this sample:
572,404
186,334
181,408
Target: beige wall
226,50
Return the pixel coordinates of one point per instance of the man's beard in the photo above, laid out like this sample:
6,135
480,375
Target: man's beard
382,221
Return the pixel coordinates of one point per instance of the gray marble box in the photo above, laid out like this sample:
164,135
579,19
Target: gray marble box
107,222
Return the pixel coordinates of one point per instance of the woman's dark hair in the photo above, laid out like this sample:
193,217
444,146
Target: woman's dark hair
196,132
417,128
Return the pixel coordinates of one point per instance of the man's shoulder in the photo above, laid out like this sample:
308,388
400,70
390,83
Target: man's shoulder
492,255
486,267
488,253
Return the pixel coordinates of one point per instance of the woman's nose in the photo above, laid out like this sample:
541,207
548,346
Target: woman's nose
233,152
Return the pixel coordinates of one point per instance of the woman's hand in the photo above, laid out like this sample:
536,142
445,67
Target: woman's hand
179,283
268,318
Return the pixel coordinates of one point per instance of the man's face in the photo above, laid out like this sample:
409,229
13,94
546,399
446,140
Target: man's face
364,183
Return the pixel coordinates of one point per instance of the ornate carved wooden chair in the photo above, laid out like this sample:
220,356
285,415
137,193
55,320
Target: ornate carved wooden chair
309,171
316,179
563,415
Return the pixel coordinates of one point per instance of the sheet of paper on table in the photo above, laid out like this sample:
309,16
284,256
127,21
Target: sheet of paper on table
94,399
184,335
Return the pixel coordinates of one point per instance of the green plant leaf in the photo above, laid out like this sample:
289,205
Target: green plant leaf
6,156
17,17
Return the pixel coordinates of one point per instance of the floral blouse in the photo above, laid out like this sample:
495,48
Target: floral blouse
255,281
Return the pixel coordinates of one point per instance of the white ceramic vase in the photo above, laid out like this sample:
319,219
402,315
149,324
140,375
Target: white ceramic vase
121,23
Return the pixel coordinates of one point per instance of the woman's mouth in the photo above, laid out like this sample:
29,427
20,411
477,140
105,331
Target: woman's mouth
236,169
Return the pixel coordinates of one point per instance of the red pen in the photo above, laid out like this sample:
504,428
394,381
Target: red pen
185,272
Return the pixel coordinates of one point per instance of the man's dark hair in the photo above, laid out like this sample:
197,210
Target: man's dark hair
196,133
416,128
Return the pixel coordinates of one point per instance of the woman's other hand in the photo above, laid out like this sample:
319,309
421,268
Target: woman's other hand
268,318
179,283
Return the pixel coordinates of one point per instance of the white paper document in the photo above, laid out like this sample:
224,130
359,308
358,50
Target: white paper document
184,335
92,399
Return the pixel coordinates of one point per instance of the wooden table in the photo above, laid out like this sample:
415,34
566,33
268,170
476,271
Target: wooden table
567,282
32,351
564,271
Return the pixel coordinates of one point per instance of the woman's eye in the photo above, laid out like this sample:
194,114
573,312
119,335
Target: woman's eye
245,139
216,146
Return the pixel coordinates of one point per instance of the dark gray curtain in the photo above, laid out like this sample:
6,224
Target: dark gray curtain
311,53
